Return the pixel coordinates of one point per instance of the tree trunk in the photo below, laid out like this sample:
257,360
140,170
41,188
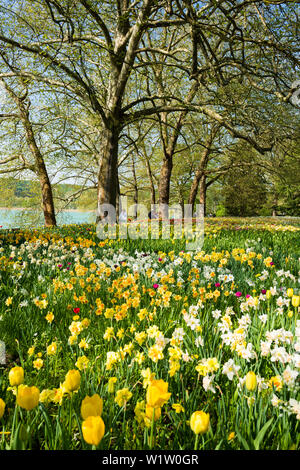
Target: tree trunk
194,188
39,167
200,177
108,169
40,170
202,192
164,186
181,200
118,199
150,177
136,191
47,197
274,207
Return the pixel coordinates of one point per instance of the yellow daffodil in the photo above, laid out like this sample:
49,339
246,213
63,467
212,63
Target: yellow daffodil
111,384
157,393
151,414
122,396
178,408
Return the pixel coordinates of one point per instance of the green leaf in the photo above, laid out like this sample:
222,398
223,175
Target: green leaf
261,434
219,444
242,440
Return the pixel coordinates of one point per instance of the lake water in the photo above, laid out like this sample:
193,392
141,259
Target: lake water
15,218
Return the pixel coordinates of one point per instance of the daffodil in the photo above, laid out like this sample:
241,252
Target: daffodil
157,393
123,396
178,408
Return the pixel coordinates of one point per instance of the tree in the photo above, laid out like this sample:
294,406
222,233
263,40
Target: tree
94,52
244,195
88,48
22,103
283,177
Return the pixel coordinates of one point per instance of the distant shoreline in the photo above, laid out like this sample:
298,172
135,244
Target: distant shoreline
65,210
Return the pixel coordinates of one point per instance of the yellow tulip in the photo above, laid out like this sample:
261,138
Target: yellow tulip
91,406
2,407
93,429
72,380
290,292
251,381
268,294
295,300
157,393
28,397
199,422
16,376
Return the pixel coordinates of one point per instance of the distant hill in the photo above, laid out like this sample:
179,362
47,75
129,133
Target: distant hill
26,193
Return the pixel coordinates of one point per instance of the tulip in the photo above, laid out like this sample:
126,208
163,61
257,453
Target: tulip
2,407
290,292
199,422
251,381
28,397
157,393
268,294
93,429
72,380
16,376
91,406
295,300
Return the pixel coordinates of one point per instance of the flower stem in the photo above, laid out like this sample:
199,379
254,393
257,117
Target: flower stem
152,429
70,417
196,442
